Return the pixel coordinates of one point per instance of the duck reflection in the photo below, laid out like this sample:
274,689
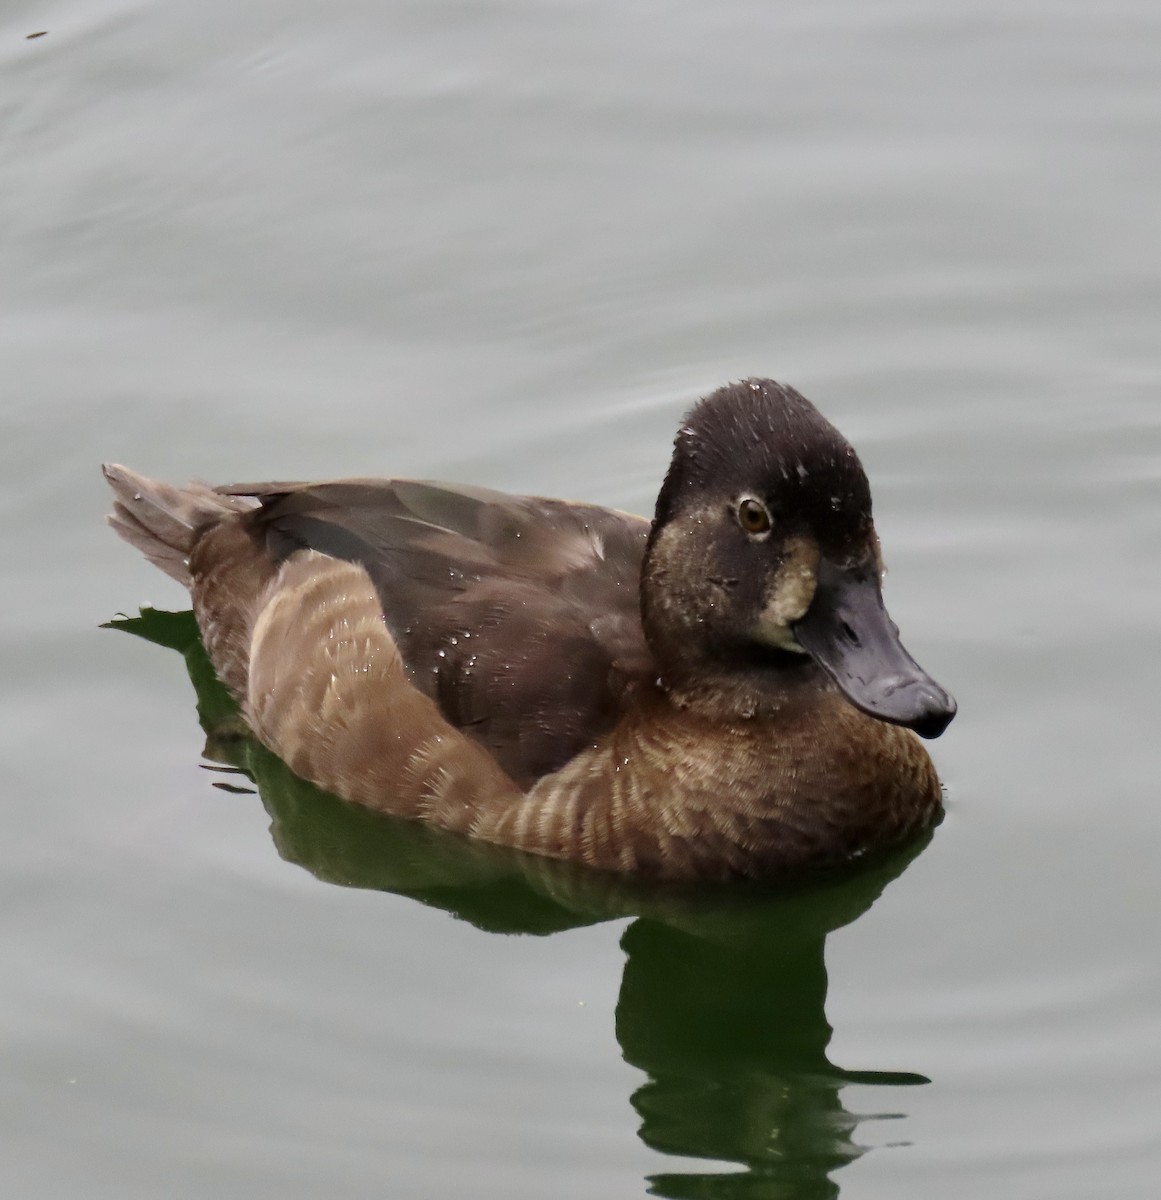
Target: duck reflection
733,1035
722,1002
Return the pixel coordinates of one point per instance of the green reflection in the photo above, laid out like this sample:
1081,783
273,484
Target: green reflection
722,1003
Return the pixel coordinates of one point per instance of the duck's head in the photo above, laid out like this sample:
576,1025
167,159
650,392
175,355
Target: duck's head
763,556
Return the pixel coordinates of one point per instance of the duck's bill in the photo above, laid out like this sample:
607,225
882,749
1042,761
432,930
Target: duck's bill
848,632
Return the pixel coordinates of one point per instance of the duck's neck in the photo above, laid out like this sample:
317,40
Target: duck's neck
761,688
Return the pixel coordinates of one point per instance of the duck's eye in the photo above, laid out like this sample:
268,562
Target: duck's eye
753,515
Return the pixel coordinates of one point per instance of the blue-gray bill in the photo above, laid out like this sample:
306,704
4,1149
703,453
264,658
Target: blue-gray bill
849,633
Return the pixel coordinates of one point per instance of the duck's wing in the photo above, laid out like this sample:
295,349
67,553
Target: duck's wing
518,616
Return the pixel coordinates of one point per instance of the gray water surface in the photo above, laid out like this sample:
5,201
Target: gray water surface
510,243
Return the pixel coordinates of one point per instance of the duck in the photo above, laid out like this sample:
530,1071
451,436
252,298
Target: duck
717,693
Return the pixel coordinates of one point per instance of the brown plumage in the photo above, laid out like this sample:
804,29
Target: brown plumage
716,694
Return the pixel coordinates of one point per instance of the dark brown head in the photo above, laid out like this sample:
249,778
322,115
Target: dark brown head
763,552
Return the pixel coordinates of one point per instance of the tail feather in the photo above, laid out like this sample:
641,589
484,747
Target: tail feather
163,521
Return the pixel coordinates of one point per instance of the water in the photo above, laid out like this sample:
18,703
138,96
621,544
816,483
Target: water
508,243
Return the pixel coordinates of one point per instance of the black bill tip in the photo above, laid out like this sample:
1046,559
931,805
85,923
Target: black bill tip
914,700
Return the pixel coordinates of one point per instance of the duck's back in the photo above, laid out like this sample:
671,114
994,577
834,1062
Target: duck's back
518,616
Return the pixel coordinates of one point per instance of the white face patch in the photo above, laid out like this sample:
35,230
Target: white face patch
791,591
778,636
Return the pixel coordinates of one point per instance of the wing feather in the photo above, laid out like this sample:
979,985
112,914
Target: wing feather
518,615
